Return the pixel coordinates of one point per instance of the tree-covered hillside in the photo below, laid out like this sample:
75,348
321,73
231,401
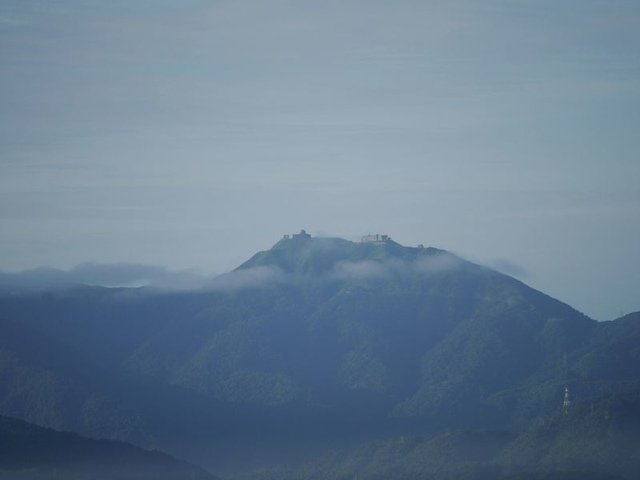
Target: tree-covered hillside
313,342
597,440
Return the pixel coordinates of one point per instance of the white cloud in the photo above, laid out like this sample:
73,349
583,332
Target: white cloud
437,264
258,277
423,265
360,270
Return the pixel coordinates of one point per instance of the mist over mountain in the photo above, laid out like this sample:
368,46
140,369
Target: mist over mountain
313,345
105,275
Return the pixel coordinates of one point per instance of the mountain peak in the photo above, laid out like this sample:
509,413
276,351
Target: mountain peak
301,253
302,235
377,238
369,242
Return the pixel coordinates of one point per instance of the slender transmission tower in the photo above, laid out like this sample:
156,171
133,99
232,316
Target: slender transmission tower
567,401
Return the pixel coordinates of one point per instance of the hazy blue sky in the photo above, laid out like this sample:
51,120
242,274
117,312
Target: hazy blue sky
193,133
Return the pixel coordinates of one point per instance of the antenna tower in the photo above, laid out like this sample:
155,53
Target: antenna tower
567,401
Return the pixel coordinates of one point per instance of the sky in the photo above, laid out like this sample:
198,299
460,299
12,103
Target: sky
190,134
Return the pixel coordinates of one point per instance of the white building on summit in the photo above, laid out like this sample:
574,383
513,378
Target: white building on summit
377,238
302,234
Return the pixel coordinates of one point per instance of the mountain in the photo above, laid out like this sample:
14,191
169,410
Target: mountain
310,344
50,382
599,440
600,436
30,452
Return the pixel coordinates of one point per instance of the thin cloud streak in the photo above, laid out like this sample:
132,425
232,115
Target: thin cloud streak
371,269
105,275
160,278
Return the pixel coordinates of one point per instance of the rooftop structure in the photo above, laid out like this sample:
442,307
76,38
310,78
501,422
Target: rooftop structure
302,234
377,238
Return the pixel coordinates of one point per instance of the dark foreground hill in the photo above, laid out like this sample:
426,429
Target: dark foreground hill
28,452
312,344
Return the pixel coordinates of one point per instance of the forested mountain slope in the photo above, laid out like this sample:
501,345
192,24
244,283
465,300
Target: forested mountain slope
317,340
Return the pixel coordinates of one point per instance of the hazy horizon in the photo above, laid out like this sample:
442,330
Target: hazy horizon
193,134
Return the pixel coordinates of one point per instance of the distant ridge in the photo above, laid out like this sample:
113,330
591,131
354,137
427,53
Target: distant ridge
31,452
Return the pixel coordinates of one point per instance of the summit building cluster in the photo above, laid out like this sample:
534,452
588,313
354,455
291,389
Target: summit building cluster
369,238
376,238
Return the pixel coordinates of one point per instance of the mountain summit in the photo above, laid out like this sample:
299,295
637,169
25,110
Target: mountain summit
303,254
